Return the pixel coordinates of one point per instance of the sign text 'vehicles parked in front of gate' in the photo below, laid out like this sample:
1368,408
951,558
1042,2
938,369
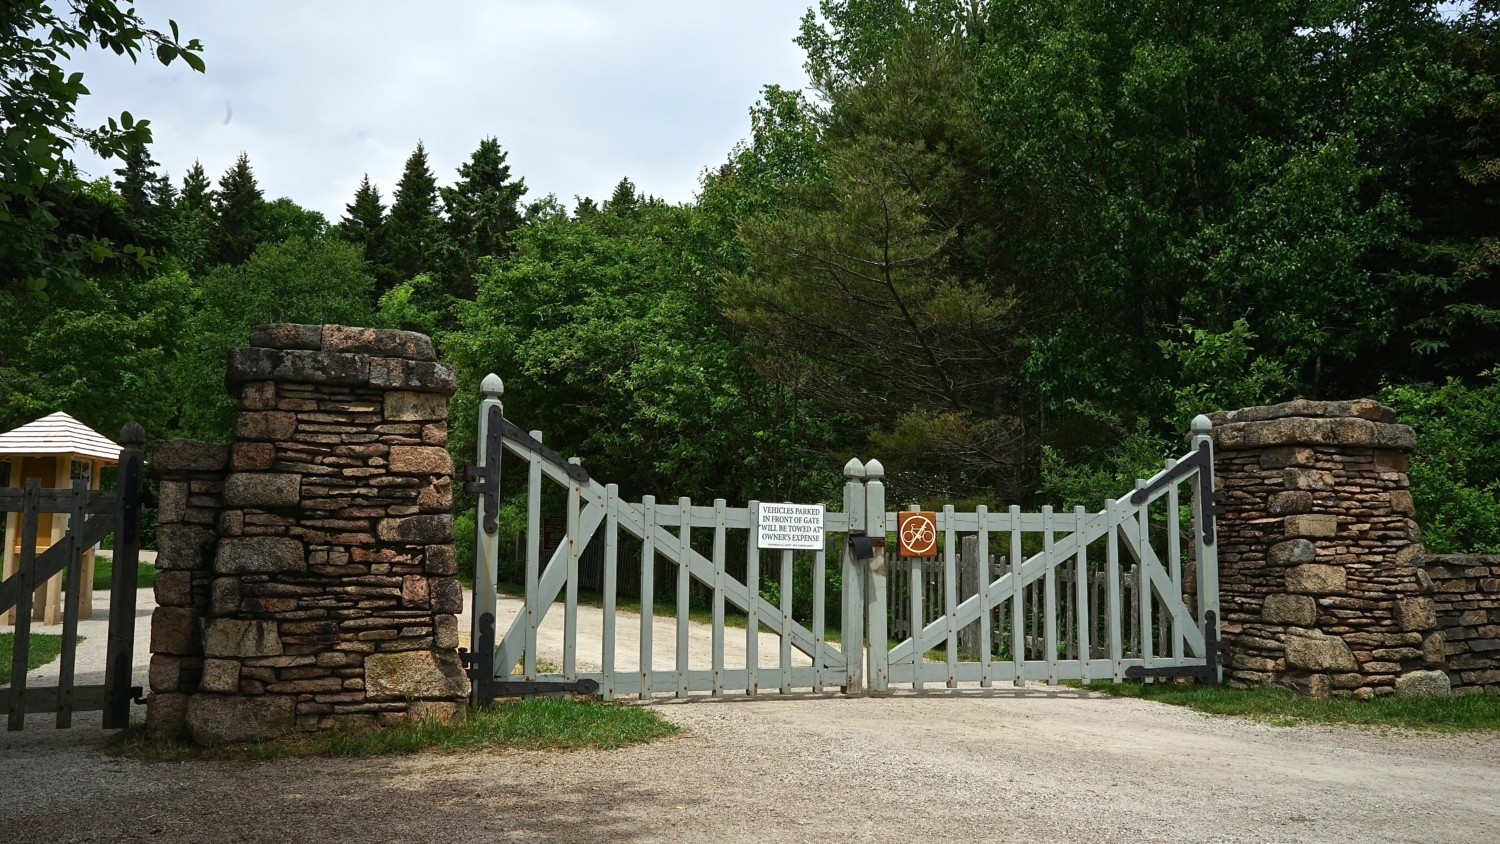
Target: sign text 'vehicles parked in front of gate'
797,527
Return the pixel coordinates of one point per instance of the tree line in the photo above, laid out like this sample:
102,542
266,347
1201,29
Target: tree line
1009,248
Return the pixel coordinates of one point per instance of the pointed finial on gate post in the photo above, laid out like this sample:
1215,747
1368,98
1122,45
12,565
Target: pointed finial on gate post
874,469
854,468
1201,424
492,387
132,434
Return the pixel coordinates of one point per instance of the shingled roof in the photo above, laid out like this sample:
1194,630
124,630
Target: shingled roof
58,434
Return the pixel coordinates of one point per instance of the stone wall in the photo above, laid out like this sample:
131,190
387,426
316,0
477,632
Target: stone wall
189,499
317,548
1321,583
1466,591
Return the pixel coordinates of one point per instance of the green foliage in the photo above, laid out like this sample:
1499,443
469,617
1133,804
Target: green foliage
412,238
1465,713
1455,471
38,132
363,218
283,219
607,333
98,351
483,209
417,304
1103,463
541,723
294,281
239,214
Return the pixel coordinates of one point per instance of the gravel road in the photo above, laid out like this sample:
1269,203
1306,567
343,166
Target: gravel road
1034,765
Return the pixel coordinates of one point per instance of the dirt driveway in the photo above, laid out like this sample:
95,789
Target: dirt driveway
1033,765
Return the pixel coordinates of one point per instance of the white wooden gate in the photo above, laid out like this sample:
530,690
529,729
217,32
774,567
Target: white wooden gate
1060,614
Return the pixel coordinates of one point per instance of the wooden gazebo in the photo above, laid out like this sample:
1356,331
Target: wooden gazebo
57,449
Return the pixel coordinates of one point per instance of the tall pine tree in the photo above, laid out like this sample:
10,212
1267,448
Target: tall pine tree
239,209
412,235
137,175
197,190
195,220
483,208
363,219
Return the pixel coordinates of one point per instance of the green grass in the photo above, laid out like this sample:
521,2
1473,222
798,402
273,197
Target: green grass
544,723
1468,713
44,647
145,574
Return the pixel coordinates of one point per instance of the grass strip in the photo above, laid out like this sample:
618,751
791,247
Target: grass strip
145,574
1467,713
542,723
43,648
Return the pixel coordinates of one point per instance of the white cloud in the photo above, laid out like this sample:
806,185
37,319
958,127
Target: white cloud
579,93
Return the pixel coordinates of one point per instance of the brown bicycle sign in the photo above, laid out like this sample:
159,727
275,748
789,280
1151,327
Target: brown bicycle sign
918,532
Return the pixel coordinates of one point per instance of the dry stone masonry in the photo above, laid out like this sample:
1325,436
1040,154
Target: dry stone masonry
1466,591
1322,583
308,568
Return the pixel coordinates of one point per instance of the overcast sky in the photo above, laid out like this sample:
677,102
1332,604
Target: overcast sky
579,92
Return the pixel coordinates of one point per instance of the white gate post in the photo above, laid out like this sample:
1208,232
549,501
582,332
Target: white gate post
1207,553
852,622
876,593
486,545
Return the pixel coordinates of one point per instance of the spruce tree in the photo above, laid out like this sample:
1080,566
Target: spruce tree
197,190
239,208
137,174
194,214
411,237
483,208
624,200
363,219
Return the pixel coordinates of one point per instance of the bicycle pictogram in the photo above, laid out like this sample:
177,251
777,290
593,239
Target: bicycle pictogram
918,533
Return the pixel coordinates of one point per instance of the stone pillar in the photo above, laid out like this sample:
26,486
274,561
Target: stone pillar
1321,582
332,598
1467,595
190,475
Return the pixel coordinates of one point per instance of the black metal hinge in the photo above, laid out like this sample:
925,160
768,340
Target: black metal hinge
1207,673
484,481
480,666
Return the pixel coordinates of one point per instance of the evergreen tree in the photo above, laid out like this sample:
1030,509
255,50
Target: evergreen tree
363,219
239,208
623,201
195,220
584,207
412,235
163,193
137,175
197,190
483,208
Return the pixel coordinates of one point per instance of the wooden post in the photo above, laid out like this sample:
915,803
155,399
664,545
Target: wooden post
876,595
48,606
12,539
854,603
118,650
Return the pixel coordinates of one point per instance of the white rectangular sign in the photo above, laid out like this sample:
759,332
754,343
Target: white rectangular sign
798,527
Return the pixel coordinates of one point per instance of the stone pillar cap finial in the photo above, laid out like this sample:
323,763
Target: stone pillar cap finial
874,469
1201,424
492,387
854,468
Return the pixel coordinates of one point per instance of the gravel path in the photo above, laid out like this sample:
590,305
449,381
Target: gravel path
1031,764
